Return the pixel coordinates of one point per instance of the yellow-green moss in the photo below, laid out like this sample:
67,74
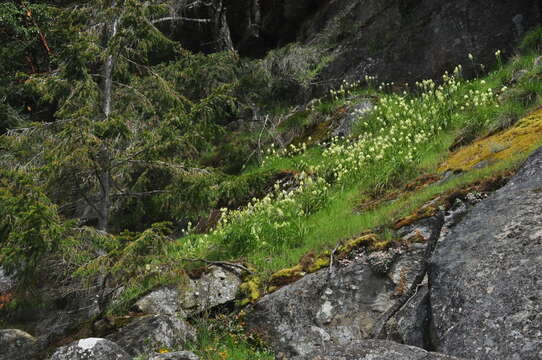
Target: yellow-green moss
366,240
309,263
418,215
380,245
320,262
522,137
287,276
249,291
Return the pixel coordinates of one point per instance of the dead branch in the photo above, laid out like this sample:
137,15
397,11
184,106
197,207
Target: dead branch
41,34
180,18
224,264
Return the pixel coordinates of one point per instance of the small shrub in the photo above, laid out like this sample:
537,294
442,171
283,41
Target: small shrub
532,42
292,69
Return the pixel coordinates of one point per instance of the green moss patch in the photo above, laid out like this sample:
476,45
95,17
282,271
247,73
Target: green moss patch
249,291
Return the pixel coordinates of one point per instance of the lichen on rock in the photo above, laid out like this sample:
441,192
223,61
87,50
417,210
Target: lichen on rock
249,290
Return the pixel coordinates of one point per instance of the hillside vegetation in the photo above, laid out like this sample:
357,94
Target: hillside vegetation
126,156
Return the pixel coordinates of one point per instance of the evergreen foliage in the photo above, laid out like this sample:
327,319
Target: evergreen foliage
127,125
532,42
109,122
30,226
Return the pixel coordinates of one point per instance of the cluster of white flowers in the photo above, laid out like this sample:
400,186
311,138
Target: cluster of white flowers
398,129
400,124
270,221
370,80
344,90
289,151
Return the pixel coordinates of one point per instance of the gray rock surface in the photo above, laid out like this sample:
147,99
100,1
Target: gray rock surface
6,282
91,349
410,324
64,307
17,345
406,267
486,275
420,230
354,114
150,333
178,355
161,301
322,308
64,314
372,350
214,288
388,38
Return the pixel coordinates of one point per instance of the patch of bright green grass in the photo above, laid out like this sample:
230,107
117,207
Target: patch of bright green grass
312,156
224,338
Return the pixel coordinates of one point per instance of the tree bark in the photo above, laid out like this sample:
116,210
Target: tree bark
223,34
104,162
255,19
105,201
108,73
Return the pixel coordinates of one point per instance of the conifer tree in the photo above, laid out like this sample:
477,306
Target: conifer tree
121,122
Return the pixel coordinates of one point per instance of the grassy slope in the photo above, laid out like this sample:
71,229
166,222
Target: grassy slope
336,220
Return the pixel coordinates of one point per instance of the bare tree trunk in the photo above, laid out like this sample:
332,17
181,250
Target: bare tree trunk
255,19
105,201
224,41
103,172
108,74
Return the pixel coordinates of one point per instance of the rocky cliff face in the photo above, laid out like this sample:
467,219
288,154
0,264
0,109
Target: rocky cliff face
411,40
486,277
396,40
462,282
